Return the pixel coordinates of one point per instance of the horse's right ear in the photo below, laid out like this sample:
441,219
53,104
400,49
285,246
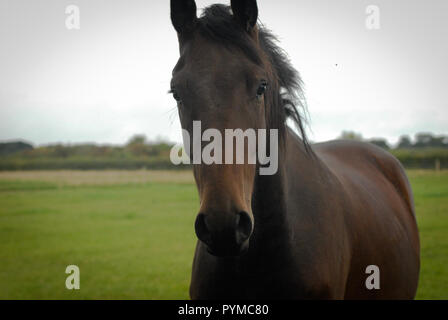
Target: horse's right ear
183,15
246,13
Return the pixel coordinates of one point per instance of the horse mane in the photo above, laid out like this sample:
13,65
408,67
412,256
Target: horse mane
287,99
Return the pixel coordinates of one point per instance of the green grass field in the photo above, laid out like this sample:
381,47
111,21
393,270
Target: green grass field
131,234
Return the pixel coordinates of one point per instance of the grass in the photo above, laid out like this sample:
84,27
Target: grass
431,202
131,233
129,240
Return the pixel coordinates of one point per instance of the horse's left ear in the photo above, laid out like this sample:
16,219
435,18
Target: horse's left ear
183,15
246,13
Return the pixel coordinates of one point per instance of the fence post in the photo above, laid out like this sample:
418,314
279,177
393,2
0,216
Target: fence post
437,165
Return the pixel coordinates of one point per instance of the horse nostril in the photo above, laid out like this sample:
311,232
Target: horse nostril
202,231
244,227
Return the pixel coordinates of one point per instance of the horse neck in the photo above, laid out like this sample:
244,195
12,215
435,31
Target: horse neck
270,201
269,205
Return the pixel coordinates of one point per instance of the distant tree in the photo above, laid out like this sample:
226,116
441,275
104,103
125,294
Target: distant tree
423,140
9,148
137,139
350,135
445,141
438,142
404,143
382,143
428,140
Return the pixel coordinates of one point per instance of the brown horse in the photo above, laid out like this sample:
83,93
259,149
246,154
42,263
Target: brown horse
311,230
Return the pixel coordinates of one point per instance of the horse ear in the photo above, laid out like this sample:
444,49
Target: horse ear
183,15
246,13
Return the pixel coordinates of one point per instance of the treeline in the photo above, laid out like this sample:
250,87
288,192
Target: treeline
138,153
425,151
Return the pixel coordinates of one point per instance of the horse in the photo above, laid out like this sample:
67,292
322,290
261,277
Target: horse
330,212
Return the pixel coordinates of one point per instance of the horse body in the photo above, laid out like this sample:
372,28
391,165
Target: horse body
380,218
319,224
311,230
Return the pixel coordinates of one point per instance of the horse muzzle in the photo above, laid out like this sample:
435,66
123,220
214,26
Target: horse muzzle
225,234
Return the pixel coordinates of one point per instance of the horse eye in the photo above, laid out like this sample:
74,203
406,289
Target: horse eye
175,95
262,89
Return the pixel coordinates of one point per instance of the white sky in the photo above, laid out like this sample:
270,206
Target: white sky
109,80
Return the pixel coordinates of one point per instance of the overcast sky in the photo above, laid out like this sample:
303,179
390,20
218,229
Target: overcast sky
109,80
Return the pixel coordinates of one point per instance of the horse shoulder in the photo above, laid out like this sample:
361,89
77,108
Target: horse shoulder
345,157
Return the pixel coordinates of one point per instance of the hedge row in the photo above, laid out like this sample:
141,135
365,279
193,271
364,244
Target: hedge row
410,158
422,158
86,164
